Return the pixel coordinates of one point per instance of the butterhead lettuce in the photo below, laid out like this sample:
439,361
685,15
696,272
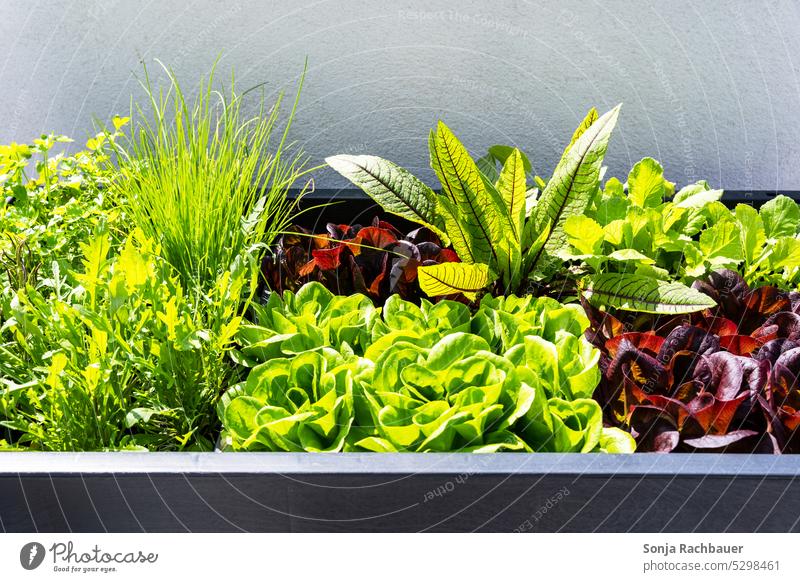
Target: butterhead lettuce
337,374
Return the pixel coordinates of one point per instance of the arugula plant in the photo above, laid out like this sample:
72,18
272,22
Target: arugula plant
102,346
506,234
332,373
118,354
50,203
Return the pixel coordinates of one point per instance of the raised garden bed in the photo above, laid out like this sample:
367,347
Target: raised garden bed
162,292
306,492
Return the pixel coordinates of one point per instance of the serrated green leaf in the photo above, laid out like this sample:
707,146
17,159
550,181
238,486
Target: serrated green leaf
395,189
451,278
640,293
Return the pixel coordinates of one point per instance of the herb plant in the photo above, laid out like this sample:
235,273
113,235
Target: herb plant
204,180
117,354
507,235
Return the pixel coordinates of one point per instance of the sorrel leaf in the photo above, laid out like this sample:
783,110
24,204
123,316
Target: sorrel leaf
574,181
587,122
396,189
450,278
463,185
511,186
641,293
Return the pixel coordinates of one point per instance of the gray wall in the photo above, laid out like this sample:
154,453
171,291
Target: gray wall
710,88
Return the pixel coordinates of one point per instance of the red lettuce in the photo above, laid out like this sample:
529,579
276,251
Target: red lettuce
724,379
376,260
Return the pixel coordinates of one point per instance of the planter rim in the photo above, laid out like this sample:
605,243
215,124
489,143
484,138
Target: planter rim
732,195
678,464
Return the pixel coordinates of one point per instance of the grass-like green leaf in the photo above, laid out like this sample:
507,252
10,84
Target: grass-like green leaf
203,178
641,293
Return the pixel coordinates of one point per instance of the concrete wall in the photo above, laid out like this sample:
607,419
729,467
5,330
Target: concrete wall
710,88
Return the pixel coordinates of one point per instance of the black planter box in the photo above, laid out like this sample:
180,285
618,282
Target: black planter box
355,492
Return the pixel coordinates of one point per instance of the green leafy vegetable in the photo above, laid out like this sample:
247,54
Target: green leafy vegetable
492,219
647,294
516,376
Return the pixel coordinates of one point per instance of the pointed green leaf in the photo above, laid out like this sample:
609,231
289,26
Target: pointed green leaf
450,278
463,185
512,188
640,293
460,238
395,189
587,122
569,191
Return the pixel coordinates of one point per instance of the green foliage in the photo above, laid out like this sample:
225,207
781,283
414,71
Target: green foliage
649,231
501,233
50,203
768,242
508,236
205,181
119,311
516,376
116,354
646,294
